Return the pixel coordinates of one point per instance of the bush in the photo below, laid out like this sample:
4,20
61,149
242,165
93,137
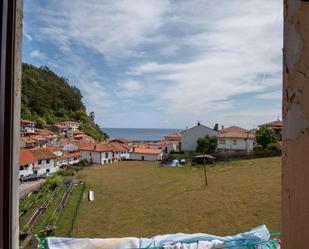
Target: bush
258,147
81,163
40,123
273,147
54,181
207,144
265,136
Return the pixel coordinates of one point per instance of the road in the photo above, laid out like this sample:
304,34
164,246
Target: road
27,187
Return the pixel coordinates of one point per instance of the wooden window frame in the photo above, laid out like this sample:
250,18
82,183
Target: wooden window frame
10,90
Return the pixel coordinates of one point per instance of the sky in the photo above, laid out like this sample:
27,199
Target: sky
163,63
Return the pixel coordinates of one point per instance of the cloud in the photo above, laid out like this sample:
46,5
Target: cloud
129,88
184,60
270,95
112,28
37,54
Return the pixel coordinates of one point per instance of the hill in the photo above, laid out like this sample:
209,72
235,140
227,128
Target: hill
48,99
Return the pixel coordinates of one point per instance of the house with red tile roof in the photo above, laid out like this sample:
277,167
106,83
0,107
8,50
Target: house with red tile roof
235,139
276,126
173,137
165,146
28,142
27,125
144,153
45,161
37,161
104,153
97,153
26,163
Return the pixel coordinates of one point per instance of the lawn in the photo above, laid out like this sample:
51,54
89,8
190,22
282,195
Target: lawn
141,199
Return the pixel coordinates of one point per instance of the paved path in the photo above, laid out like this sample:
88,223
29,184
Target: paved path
27,187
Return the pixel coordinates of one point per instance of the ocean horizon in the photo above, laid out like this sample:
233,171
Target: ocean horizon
139,134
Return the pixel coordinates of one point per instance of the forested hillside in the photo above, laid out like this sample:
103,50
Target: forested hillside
48,99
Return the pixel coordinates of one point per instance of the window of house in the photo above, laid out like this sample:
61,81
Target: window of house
234,142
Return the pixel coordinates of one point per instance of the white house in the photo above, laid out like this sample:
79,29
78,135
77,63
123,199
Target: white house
68,158
97,153
120,150
26,163
235,139
165,146
142,153
37,161
45,161
190,136
71,125
27,125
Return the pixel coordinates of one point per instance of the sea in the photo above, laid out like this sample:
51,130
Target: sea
139,134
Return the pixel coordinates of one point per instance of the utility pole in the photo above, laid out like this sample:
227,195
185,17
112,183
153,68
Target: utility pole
205,172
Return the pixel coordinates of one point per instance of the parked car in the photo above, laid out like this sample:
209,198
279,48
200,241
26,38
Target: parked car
30,178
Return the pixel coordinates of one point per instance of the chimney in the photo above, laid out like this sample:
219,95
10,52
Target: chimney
198,123
222,127
216,128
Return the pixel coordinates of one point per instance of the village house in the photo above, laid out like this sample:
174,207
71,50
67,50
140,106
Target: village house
276,126
165,146
59,129
28,142
190,136
37,161
26,163
27,125
120,150
71,125
97,153
173,137
147,154
45,161
235,139
66,155
68,158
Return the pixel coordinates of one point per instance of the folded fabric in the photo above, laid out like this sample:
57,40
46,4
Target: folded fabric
199,245
258,234
68,243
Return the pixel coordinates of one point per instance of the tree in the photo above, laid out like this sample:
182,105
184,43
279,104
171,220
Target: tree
40,123
92,116
265,136
207,144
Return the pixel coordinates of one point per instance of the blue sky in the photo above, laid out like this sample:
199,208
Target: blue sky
163,63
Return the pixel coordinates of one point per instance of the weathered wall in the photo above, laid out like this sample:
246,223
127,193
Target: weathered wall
295,173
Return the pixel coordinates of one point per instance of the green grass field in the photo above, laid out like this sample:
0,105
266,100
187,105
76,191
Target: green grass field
141,199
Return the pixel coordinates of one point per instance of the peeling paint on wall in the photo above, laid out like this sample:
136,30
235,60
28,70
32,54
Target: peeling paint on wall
295,154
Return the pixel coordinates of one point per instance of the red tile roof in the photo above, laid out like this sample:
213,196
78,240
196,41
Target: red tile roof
70,155
42,153
97,147
274,124
26,121
142,150
235,132
26,157
118,146
173,135
28,140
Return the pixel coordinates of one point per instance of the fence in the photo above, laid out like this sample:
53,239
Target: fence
76,210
